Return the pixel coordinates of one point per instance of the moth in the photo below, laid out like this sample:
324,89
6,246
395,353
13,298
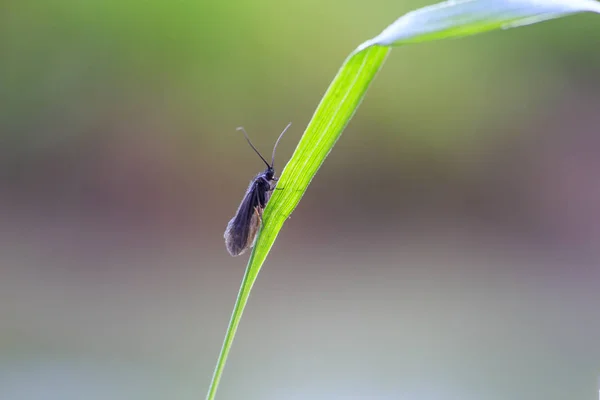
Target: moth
242,228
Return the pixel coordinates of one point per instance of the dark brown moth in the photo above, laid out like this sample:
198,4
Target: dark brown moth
241,230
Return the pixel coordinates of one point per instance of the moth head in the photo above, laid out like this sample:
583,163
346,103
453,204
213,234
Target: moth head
269,173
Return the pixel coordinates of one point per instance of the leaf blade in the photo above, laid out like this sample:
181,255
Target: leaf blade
332,115
450,19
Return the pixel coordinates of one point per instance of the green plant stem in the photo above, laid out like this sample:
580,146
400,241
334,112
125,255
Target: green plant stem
329,120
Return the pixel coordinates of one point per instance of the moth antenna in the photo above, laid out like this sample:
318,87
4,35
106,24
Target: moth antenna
241,128
276,143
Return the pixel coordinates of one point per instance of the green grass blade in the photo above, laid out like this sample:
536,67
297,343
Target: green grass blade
450,19
460,18
331,117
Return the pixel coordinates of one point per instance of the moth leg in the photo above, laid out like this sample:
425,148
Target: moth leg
258,215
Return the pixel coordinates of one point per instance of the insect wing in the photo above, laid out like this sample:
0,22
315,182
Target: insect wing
244,223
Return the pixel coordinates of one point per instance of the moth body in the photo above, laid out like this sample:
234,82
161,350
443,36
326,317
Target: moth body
241,230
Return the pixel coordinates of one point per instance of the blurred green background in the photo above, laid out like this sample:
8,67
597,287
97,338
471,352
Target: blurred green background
448,248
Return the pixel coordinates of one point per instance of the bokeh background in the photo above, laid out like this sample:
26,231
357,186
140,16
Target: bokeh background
447,249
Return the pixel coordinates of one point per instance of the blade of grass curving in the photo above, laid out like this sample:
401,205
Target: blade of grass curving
329,120
450,19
